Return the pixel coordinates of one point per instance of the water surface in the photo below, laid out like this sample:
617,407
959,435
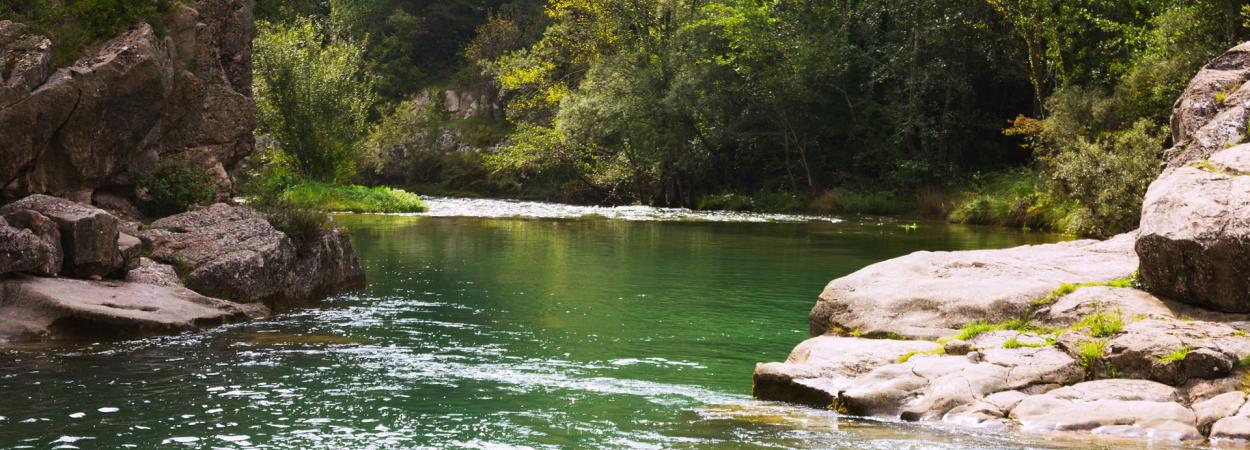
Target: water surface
556,330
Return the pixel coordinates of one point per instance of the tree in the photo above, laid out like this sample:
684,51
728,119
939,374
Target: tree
312,95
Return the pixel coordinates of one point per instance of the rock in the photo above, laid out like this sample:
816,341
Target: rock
136,98
152,272
926,387
129,247
930,294
1110,407
1147,349
88,235
233,252
1195,235
1235,429
821,367
61,307
989,412
24,251
1201,123
1212,410
1130,304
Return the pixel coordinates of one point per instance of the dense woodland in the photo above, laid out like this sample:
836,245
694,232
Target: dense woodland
1047,114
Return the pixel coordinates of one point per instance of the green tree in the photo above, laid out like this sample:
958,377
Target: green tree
312,95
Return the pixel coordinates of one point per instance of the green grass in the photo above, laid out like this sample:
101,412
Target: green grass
972,330
1102,324
73,25
1176,356
1090,352
1131,281
907,356
1014,343
352,198
1017,198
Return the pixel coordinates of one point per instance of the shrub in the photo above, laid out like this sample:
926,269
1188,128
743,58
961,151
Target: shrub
72,25
171,187
312,95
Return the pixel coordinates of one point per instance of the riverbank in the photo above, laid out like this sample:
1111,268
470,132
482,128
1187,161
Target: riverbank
1146,334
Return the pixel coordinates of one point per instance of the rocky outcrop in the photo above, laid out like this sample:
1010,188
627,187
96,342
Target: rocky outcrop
233,252
1213,111
137,98
1195,234
930,294
88,236
33,308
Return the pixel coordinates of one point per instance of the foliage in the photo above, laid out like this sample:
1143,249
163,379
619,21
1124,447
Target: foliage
1175,356
1089,353
264,189
353,198
312,96
172,186
1015,198
907,356
972,330
1102,324
74,24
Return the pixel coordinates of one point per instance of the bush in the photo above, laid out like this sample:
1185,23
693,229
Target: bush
172,187
312,95
1108,177
1015,198
726,202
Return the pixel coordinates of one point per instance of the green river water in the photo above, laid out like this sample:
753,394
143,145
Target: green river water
560,330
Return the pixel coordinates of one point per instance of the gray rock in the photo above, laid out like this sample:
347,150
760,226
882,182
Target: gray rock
61,307
927,387
129,247
233,252
1233,430
152,272
1195,234
821,367
930,294
1213,409
1132,408
1201,124
24,251
1144,350
88,234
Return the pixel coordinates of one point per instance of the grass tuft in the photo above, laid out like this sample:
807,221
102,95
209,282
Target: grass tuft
972,330
1177,355
1102,324
907,356
1090,352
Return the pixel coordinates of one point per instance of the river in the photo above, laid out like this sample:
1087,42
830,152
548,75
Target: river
491,324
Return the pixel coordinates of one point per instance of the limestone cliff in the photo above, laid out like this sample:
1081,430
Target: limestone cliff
127,103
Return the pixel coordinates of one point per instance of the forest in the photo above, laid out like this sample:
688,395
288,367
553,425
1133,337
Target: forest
1042,114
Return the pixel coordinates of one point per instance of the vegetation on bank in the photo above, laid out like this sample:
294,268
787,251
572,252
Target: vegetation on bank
353,198
1039,115
74,24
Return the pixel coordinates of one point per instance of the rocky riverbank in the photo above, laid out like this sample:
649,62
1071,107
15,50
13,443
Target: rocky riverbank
1142,335
67,271
76,258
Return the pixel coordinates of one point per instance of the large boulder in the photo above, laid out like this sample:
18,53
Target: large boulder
1195,232
233,252
60,307
21,250
88,235
134,99
930,294
1212,112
